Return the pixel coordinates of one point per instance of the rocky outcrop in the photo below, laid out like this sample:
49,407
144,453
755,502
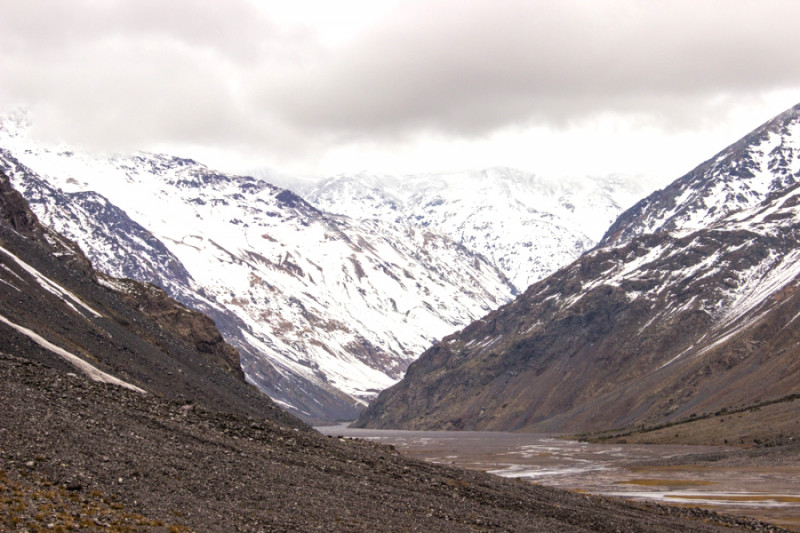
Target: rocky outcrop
17,215
198,330
14,209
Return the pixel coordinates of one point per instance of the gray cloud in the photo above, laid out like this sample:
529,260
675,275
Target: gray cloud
468,72
136,72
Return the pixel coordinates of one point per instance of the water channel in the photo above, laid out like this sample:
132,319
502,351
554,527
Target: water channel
770,493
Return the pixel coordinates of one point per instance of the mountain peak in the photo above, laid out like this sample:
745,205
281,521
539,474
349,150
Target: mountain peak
740,176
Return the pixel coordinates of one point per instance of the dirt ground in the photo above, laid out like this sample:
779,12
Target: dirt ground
78,455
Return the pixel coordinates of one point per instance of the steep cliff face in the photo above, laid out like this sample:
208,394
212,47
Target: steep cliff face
14,209
55,309
651,327
198,330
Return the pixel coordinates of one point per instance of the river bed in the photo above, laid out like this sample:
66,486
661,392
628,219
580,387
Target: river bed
770,493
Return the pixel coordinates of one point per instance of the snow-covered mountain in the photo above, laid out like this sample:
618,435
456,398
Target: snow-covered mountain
527,225
690,306
764,162
57,311
326,311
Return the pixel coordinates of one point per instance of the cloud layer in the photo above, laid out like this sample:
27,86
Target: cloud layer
507,62
133,73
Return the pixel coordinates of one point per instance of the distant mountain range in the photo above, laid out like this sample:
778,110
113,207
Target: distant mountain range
528,226
325,312
689,305
329,303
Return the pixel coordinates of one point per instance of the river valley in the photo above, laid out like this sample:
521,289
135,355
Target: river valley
769,492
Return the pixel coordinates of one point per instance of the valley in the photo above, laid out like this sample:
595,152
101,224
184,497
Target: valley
678,327
124,410
79,454
330,296
518,267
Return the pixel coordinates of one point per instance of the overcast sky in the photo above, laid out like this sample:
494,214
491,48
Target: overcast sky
567,87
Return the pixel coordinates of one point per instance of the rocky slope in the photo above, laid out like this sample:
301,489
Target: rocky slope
325,311
769,426
527,225
664,321
79,454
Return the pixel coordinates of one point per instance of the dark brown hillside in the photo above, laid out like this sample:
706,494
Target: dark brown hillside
771,426
193,327
628,335
688,305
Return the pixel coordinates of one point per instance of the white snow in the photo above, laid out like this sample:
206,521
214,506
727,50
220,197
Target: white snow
325,296
738,179
760,282
346,304
10,285
527,225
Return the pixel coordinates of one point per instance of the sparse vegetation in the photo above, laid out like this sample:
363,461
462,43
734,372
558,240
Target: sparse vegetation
30,502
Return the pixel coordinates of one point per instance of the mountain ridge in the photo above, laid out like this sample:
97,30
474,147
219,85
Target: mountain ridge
683,205
645,329
58,311
526,224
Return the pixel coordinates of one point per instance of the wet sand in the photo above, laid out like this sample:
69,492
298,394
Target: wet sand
770,493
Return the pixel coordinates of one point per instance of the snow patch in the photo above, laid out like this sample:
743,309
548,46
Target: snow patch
92,371
51,286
